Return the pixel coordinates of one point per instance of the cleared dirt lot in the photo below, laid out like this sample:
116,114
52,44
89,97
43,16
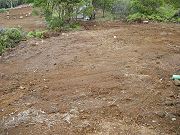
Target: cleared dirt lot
109,79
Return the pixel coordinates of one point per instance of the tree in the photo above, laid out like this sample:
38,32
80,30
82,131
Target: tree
105,5
121,8
60,12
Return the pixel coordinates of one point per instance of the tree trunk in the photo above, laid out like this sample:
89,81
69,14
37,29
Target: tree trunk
11,3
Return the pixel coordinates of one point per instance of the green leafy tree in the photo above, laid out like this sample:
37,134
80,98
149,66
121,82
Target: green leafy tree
60,12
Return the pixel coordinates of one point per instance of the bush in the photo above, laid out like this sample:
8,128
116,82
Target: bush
9,38
178,20
3,10
55,23
14,34
137,17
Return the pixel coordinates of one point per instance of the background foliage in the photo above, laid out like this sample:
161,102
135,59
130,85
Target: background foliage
60,12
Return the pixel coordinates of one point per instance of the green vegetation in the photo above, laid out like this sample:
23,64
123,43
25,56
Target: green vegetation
139,10
36,12
105,5
12,3
59,13
155,10
36,34
3,10
9,38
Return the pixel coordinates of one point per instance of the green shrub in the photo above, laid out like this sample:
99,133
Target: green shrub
137,17
55,23
178,20
9,38
14,34
2,10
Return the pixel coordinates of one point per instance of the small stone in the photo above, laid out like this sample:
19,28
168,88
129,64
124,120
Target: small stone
81,111
21,17
83,117
22,88
153,121
145,22
45,80
115,36
28,104
102,112
2,110
173,119
31,83
46,87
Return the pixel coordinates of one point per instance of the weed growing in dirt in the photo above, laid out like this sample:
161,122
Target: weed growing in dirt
36,34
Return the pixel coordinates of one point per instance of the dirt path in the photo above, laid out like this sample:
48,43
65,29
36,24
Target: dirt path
106,80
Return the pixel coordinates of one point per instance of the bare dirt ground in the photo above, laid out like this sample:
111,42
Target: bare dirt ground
23,18
111,78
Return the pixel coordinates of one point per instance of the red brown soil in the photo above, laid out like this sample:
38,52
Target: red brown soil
112,78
